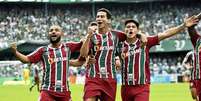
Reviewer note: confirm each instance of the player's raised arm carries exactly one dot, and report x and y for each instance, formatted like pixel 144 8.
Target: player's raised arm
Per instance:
pixel 85 46
pixel 23 58
pixel 173 31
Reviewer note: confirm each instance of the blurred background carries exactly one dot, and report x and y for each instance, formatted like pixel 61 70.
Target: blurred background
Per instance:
pixel 27 21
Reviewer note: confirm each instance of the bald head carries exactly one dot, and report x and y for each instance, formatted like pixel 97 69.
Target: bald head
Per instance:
pixel 55 27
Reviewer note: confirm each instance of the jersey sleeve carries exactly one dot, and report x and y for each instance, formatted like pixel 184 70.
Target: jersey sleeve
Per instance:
pixel 194 37
pixel 152 40
pixel 121 35
pixel 36 56
pixel 74 46
pixel 185 59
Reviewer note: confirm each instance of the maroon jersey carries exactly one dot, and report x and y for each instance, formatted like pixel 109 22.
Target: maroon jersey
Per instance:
pixel 135 61
pixel 55 65
pixel 103 46
pixel 196 41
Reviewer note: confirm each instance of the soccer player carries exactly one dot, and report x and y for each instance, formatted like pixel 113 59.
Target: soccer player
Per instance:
pixel 135 60
pixel 26 74
pixel 101 77
pixel 56 60
pixel 196 41
pixel 188 64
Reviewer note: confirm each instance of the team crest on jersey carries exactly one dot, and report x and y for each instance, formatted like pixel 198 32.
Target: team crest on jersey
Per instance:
pixel 50 60
pixel 97 47
pixel 124 55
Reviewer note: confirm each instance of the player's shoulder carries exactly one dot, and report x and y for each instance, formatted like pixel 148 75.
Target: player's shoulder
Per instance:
pixel 190 53
pixel 152 36
pixel 69 43
pixel 42 48
pixel 117 31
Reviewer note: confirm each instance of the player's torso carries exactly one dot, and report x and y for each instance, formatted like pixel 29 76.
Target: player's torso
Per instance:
pixel 103 47
pixel 55 66
pixel 133 58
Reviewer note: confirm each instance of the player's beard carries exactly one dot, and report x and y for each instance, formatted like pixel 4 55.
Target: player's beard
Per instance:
pixel 55 41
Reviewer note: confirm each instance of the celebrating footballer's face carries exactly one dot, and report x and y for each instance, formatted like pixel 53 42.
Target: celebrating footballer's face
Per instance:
pixel 55 34
pixel 101 19
pixel 131 30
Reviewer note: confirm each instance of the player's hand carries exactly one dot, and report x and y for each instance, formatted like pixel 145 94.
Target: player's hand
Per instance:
pixel 117 64
pixel 91 30
pixel 91 59
pixel 13 47
pixel 191 21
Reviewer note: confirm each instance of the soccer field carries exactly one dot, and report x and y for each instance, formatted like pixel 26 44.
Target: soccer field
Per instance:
pixel 159 92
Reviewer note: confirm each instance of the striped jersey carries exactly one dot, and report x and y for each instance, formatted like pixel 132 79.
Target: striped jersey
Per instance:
pixel 189 58
pixel 196 41
pixel 103 47
pixel 135 61
pixel 55 63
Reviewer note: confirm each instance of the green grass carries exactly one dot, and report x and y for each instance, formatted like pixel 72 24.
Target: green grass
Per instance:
pixel 159 92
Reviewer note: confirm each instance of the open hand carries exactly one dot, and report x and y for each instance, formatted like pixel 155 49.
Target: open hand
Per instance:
pixel 191 21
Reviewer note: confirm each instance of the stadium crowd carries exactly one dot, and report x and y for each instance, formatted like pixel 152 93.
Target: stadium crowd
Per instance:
pixel 31 23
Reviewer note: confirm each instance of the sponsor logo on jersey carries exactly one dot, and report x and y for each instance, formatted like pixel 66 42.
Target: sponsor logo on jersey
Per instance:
pixel 53 60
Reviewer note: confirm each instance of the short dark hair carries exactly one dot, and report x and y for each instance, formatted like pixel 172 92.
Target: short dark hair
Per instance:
pixel 133 21
pixel 109 14
pixel 93 24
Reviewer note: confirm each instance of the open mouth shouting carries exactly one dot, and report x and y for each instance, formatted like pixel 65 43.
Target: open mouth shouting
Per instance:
pixel 99 22
pixel 53 37
pixel 130 33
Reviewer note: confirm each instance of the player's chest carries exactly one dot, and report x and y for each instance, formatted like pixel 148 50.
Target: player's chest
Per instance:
pixel 56 55
pixel 131 49
pixel 104 42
